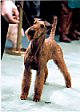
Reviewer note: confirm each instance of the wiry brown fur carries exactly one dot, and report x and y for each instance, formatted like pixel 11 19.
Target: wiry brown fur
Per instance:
pixel 38 53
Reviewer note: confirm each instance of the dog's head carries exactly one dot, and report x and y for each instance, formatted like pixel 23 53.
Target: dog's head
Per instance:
pixel 37 28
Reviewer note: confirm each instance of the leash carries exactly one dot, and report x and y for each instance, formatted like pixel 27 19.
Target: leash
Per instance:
pixel 19 5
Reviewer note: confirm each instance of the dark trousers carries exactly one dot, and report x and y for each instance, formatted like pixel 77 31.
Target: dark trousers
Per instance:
pixel 4 29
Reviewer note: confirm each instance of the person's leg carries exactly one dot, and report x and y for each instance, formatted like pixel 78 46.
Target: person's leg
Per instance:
pixel 65 22
pixel 75 27
pixel 4 29
pixel 32 10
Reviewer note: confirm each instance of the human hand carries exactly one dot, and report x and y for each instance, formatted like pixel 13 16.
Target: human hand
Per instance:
pixel 10 12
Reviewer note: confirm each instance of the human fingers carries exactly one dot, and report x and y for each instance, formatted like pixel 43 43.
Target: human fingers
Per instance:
pixel 11 19
pixel 15 13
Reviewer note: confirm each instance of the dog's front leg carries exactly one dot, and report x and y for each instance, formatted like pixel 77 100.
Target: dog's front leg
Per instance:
pixel 46 74
pixel 39 82
pixel 26 81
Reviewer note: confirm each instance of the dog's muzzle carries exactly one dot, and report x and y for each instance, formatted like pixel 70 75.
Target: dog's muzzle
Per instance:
pixel 31 32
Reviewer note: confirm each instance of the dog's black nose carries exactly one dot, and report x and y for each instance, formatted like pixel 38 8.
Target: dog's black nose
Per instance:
pixel 31 32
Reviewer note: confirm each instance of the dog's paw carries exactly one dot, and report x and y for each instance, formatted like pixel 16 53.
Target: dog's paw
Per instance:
pixel 68 84
pixel 23 97
pixel 36 98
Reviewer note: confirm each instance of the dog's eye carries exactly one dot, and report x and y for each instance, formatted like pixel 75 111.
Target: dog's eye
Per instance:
pixel 42 26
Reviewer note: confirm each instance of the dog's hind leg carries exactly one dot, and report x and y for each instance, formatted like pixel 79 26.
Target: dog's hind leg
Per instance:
pixel 26 81
pixel 62 66
pixel 39 82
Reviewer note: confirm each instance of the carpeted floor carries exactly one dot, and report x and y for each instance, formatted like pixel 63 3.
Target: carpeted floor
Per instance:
pixel 55 97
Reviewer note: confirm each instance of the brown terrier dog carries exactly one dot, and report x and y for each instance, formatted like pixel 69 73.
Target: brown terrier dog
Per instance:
pixel 38 53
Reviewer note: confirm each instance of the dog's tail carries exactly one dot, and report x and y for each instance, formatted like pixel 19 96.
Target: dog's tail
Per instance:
pixel 52 33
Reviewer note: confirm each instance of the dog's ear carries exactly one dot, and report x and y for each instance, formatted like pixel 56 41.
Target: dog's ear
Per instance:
pixel 36 19
pixel 26 34
pixel 47 24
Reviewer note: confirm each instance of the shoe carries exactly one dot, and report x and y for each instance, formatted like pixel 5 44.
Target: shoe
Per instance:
pixel 73 36
pixel 64 38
